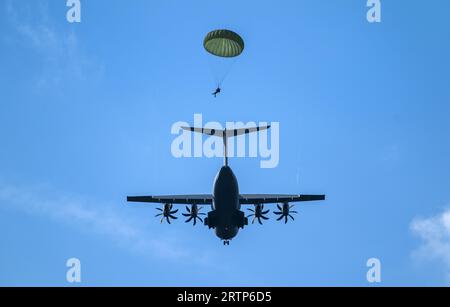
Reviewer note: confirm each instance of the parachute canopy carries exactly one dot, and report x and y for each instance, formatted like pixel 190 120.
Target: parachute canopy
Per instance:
pixel 224 43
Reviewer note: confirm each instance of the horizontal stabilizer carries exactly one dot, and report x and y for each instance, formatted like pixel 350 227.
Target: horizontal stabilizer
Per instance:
pixel 225 134
pixel 238 132
pixel 228 133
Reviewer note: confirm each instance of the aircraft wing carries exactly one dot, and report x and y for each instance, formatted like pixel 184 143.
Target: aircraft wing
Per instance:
pixel 173 199
pixel 247 199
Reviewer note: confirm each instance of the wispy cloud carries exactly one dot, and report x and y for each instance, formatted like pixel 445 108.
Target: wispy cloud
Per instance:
pixel 56 48
pixel 97 219
pixel 391 153
pixel 435 235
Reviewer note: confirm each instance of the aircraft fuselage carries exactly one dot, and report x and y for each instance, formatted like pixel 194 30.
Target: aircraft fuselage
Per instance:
pixel 226 206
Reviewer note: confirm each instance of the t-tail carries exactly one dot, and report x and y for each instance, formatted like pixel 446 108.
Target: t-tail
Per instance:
pixel 225 134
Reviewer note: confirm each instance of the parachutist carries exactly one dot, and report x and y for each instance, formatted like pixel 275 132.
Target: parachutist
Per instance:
pixel 218 90
pixel 224 44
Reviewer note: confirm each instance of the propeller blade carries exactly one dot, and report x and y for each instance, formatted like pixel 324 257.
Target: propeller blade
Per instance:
pixel 173 217
pixel 201 220
pixel 279 208
pixel 285 219
pixel 279 219
pixel 291 217
pixel 159 209
pixel 265 212
pixel 259 220
pixel 188 210
pixel 251 210
pixel 189 219
pixel 277 213
pixel 186 215
pixel 173 212
pixel 158 215
pixel 264 217
pixel 195 221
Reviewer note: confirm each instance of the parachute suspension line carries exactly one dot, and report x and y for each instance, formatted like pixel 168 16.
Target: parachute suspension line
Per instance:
pixel 227 72
pixel 220 72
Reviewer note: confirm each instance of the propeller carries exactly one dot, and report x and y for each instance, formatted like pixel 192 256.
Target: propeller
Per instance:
pixel 193 213
pixel 167 213
pixel 285 212
pixel 258 213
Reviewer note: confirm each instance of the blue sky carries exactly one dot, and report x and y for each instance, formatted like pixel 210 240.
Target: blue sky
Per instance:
pixel 85 117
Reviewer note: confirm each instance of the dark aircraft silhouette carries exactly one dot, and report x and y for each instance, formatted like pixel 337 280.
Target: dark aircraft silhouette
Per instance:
pixel 226 217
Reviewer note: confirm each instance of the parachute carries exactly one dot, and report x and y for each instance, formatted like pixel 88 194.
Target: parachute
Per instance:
pixel 224 43
pixel 225 46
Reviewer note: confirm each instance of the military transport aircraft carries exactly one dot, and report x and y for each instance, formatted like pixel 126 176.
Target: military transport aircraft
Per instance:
pixel 226 217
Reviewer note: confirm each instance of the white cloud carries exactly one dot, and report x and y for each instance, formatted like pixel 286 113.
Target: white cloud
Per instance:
pixel 57 49
pixel 435 235
pixel 391 153
pixel 98 219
